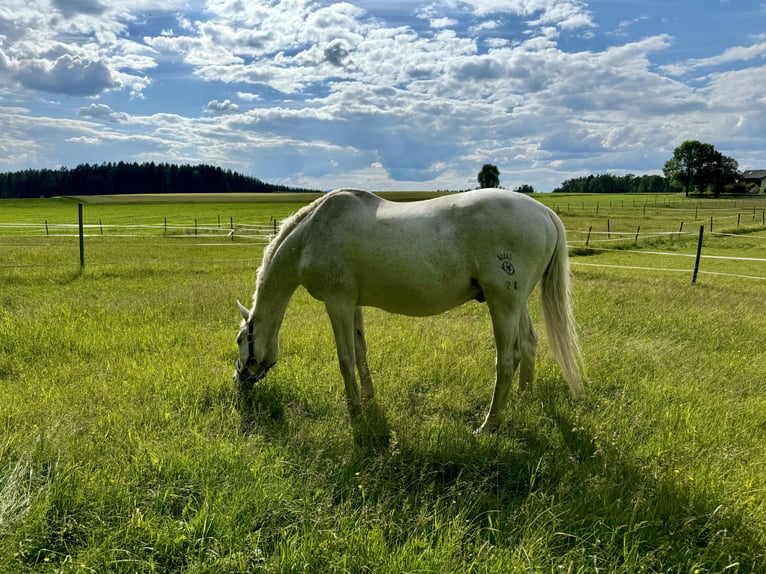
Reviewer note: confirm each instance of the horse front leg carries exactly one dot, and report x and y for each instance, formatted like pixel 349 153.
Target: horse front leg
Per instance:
pixel 505 323
pixel 360 350
pixel 342 320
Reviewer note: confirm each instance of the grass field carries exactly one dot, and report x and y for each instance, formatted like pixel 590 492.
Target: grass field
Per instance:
pixel 122 449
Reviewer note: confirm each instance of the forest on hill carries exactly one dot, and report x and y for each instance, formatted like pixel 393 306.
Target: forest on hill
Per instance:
pixel 122 178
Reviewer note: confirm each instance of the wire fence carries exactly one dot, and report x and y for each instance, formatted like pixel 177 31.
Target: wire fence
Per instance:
pixel 259 231
pixel 625 243
pixel 599 242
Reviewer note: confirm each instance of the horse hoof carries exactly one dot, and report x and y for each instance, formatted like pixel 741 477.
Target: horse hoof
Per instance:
pixel 486 428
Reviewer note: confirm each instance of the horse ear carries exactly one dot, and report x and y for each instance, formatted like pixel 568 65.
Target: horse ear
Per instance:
pixel 244 311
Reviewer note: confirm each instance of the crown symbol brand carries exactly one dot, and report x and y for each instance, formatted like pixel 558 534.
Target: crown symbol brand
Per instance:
pixel 505 262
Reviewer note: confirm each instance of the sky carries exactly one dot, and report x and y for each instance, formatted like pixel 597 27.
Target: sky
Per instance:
pixel 382 94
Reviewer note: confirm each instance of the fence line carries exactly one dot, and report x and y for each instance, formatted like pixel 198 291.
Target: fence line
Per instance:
pixel 609 266
pixel 749 235
pixel 662 269
pixel 672 254
pixel 697 257
pixel 261 233
pixel 240 230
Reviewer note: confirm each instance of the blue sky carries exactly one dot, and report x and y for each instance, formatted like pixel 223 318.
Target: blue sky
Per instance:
pixel 382 94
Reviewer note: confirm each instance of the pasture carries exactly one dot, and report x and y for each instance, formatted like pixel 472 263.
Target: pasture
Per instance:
pixel 122 448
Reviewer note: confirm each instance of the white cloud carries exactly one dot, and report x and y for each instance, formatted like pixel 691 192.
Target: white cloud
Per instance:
pixel 75 48
pixel 84 140
pixel 735 54
pixel 566 14
pixel 68 74
pixel 249 97
pixel 102 112
pixel 224 107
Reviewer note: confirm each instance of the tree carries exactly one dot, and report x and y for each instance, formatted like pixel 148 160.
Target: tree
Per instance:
pixel 524 188
pixel 699 166
pixel 489 176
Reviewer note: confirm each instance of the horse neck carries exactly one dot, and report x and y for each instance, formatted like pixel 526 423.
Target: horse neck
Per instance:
pixel 275 286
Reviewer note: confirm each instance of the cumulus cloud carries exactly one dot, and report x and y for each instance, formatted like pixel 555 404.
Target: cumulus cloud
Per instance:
pixel 224 107
pixel 68 74
pixel 566 14
pixel 102 112
pixel 71 47
pixel 72 7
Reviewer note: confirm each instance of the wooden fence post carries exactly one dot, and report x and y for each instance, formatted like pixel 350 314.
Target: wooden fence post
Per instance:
pixel 699 253
pixel 82 237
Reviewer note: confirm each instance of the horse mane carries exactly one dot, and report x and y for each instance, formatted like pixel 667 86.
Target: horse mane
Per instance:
pixel 285 228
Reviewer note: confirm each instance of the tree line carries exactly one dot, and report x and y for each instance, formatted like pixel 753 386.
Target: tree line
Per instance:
pixel 695 168
pixel 122 178
pixel 608 183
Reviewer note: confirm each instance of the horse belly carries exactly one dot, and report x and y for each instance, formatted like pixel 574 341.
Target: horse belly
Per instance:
pixel 415 291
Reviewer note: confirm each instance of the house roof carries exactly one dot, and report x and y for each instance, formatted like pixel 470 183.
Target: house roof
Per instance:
pixel 754 174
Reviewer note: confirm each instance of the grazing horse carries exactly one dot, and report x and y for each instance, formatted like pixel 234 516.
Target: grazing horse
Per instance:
pixel 352 249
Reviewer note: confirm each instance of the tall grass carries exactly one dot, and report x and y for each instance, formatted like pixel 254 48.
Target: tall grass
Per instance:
pixel 122 448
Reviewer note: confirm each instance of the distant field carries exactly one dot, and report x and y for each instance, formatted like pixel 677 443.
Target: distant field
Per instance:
pixel 122 449
pixel 292 197
pixel 198 198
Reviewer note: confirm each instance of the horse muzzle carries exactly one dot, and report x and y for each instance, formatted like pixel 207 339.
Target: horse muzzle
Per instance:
pixel 245 378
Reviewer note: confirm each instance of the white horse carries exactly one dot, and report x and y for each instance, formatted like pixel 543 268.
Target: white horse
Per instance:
pixel 352 249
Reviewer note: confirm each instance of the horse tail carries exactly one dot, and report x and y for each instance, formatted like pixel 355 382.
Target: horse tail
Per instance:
pixel 559 317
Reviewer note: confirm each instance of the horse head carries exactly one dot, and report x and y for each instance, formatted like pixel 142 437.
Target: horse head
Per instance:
pixel 248 369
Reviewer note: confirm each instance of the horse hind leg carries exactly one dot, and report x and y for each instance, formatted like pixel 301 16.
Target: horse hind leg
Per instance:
pixel 505 324
pixel 527 343
pixel 360 350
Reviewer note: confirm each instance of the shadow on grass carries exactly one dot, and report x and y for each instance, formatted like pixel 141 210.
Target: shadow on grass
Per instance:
pixel 371 430
pixel 261 407
pixel 544 464
pixel 262 410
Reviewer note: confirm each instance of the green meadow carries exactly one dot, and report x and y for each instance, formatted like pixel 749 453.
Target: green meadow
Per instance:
pixel 123 447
